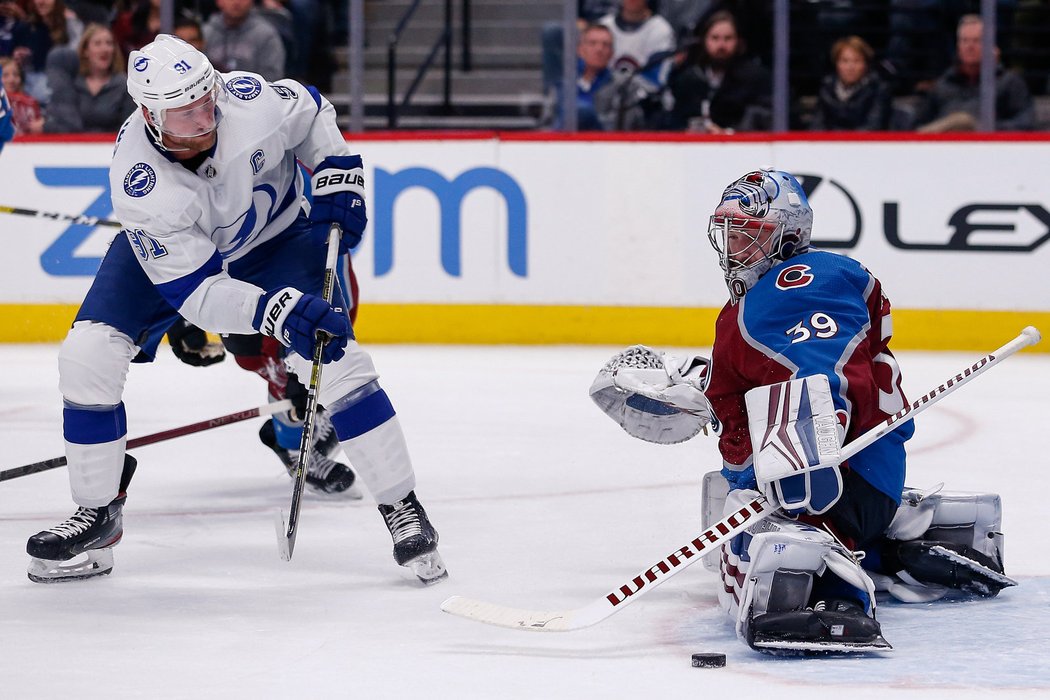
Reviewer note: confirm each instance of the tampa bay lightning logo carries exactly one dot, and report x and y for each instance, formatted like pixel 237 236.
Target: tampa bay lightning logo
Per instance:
pixel 244 87
pixel 140 180
pixel 141 63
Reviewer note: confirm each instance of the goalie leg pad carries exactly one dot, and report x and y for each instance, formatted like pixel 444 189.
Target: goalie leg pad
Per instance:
pixel 944 541
pixel 777 582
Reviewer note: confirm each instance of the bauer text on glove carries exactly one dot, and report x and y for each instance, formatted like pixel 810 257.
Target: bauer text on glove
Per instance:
pixel 339 198
pixel 294 319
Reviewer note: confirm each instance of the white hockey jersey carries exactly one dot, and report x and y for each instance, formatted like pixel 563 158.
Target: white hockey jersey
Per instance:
pixel 185 225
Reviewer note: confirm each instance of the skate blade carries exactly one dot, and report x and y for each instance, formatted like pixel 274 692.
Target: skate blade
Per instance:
pixel 785 646
pixel 97 562
pixel 354 493
pixel 428 568
pixel 990 578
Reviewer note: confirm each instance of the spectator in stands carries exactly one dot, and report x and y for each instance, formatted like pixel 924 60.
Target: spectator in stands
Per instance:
pixel 189 30
pixel 11 13
pixel 313 28
pixel 553 35
pixel 137 25
pixel 595 106
pixel 281 19
pixel 26 114
pixel 96 98
pixel 953 104
pixel 643 41
pixel 853 98
pixel 238 38
pixel 720 89
pixel 684 15
pixel 643 54
pixel 93 11
pixel 48 24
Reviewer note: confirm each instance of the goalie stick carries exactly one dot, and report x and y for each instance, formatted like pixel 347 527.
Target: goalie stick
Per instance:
pixel 286 532
pixel 716 535
pixel 56 462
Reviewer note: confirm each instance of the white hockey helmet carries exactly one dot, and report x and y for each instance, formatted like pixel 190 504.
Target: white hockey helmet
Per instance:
pixel 169 74
pixel 762 219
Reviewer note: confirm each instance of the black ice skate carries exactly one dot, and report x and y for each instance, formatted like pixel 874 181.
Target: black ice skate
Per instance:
pixel 415 539
pixel 89 531
pixel 956 566
pixel 323 474
pixel 831 626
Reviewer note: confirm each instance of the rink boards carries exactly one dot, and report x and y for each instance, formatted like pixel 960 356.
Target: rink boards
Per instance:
pixel 487 238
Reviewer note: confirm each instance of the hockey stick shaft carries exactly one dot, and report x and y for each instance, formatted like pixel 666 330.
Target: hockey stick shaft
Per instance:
pixel 163 435
pixel 286 532
pixel 718 534
pixel 58 216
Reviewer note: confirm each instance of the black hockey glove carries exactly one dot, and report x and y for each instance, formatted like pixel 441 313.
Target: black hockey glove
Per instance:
pixel 190 344
pixel 295 392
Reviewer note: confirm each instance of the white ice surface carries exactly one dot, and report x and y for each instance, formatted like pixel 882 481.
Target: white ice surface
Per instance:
pixel 541 502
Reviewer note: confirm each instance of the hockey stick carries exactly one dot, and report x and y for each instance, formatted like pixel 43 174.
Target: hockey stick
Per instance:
pixel 55 462
pixel 715 536
pixel 57 216
pixel 286 532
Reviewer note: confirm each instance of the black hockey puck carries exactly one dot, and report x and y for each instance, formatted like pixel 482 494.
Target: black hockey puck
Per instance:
pixel 709 660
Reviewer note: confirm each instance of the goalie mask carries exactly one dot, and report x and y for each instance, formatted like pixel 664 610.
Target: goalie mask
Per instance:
pixel 177 86
pixel 763 219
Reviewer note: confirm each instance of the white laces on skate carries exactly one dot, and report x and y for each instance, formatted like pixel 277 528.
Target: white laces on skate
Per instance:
pixel 403 522
pixel 320 466
pixel 77 523
pixel 322 428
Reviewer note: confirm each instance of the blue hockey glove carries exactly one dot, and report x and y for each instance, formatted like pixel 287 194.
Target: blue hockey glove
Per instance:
pixel 339 197
pixel 294 319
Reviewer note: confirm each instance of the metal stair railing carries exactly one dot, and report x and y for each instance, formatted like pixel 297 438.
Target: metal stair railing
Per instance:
pixel 443 41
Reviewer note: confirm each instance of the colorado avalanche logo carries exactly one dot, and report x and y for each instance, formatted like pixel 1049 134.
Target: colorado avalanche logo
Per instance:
pixel 753 193
pixel 141 63
pixel 244 88
pixel 140 180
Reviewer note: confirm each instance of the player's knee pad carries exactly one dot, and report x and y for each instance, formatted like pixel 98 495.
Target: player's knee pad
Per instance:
pixel 93 364
pixel 371 436
pixel 774 565
pixel 944 540
pixel 341 378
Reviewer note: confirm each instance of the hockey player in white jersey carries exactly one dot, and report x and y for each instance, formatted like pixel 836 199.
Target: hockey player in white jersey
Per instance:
pixel 216 228
pixel 7 129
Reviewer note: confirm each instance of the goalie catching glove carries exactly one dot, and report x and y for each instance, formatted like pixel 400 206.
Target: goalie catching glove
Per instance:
pixel 654 397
